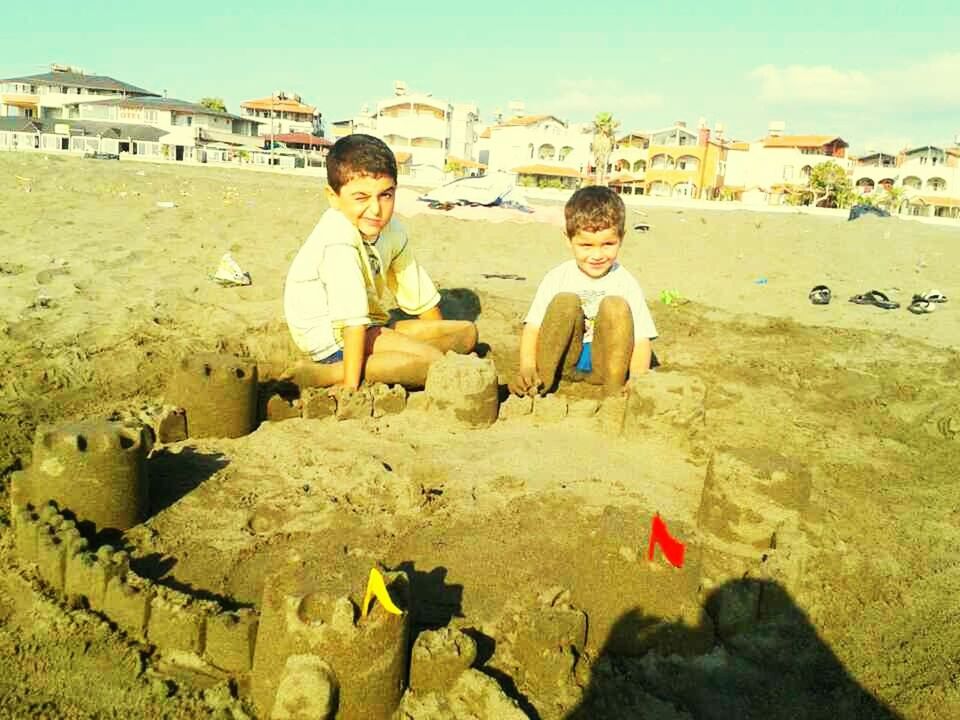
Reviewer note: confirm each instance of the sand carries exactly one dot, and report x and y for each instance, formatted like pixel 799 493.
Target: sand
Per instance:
pixel 807 454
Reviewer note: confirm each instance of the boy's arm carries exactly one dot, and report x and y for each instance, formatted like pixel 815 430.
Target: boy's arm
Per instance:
pixel 411 285
pixel 528 378
pixel 354 355
pixel 640 360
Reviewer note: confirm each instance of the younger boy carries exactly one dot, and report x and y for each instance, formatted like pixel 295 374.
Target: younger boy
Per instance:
pixel 334 297
pixel 588 319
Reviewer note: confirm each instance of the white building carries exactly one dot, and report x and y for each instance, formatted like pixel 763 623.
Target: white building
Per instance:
pixel 929 175
pixel 147 126
pixel 283 113
pixel 543 142
pixel 43 97
pixel 761 170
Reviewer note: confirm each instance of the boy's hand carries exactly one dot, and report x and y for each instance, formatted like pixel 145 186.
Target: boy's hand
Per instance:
pixel 527 382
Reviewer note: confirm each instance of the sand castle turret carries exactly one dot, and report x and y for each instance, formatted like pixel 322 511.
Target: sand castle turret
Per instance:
pixel 94 469
pixel 317 657
pixel 218 393
pixel 463 389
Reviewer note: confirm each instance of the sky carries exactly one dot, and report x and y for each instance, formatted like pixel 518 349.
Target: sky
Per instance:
pixel 882 75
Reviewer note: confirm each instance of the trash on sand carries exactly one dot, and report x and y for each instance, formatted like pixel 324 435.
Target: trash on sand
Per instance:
pixel 377 588
pixel 229 273
pixel 166 204
pixel 672 548
pixel 760 281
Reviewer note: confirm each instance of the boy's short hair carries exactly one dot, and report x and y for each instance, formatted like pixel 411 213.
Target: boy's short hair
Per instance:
pixel 593 209
pixel 356 156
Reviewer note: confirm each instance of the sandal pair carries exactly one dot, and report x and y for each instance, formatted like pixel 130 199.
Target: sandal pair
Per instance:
pixel 926 302
pixel 875 298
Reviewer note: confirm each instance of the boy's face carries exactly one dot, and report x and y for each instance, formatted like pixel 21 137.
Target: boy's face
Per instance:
pixel 367 201
pixel 596 251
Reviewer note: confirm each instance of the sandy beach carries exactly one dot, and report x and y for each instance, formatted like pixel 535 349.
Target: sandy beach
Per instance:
pixel 836 425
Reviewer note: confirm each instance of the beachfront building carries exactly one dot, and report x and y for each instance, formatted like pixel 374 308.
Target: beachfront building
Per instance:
pixel 930 176
pixel 282 114
pixel 628 164
pixel 147 126
pixel 43 97
pixel 682 163
pixel 424 130
pixel 539 148
pixel 764 171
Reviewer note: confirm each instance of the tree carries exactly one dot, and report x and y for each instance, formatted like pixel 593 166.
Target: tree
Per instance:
pixel 604 137
pixel 830 186
pixel 214 103
pixel 890 198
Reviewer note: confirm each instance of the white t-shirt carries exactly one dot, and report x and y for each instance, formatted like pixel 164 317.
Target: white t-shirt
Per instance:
pixel 617 282
pixel 337 280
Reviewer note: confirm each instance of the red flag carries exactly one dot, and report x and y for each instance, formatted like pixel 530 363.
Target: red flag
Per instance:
pixel 671 548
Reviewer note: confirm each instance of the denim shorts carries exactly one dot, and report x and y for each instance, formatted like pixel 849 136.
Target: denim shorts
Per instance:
pixel 331 359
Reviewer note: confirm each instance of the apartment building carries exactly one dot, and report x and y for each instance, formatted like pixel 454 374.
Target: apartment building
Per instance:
pixel 282 114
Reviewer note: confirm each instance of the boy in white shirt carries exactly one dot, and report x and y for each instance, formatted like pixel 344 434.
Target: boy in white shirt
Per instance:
pixel 335 293
pixel 589 319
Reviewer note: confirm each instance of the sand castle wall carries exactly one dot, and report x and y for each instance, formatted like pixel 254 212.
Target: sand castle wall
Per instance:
pixel 219 394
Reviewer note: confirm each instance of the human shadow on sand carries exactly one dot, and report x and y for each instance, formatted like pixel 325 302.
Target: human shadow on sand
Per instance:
pixel 455 304
pixel 173 475
pixel 767 661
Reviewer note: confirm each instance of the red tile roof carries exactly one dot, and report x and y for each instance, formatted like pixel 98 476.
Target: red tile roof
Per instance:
pixel 303 139
pixel 285 105
pixel 802 141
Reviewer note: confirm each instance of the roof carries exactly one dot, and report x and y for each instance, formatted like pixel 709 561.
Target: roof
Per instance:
pixel 161 103
pixel 465 162
pixel 285 105
pixel 809 141
pixel 73 79
pixel 631 136
pixel 551 170
pixel 624 179
pixel 521 121
pixel 303 139
pixel 935 200
pixel 738 146
pixel 118 131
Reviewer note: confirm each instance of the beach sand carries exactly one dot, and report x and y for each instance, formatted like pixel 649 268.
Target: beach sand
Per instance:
pixel 838 426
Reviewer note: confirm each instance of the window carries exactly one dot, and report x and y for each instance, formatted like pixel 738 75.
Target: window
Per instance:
pixel 788 172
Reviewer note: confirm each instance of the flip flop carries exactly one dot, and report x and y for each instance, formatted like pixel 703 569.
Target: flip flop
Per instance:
pixel 820 295
pixel 876 298
pixel 934 296
pixel 921 306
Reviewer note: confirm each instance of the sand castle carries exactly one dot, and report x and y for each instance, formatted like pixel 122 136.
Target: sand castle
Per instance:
pixel 308 652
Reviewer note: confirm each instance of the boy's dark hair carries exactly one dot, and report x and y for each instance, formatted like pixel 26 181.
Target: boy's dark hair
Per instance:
pixel 593 209
pixel 358 155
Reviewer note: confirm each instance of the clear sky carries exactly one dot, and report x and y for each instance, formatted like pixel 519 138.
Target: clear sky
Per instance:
pixel 880 74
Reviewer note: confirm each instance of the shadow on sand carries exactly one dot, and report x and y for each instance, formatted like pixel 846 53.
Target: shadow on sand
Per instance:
pixel 768 662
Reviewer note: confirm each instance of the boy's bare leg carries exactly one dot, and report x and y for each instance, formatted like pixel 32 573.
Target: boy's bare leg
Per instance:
pixel 612 345
pixel 392 357
pixel 561 339
pixel 457 335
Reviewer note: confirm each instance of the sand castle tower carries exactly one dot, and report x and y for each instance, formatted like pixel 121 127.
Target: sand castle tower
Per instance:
pixel 94 469
pixel 463 389
pixel 218 393
pixel 316 657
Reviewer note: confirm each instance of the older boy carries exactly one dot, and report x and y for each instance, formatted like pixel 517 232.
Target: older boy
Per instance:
pixel 588 319
pixel 334 298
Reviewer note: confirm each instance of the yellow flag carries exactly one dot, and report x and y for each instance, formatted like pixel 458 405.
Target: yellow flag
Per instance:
pixel 377 588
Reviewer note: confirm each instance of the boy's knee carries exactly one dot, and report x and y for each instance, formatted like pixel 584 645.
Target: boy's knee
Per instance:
pixel 565 302
pixel 615 308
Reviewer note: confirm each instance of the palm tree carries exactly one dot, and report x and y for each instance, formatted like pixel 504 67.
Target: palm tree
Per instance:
pixel 604 136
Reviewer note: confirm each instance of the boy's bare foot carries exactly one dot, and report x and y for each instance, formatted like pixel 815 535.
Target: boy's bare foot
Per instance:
pixel 307 373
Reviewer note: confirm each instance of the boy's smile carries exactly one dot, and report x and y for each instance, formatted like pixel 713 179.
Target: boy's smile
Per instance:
pixel 367 202
pixel 596 252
